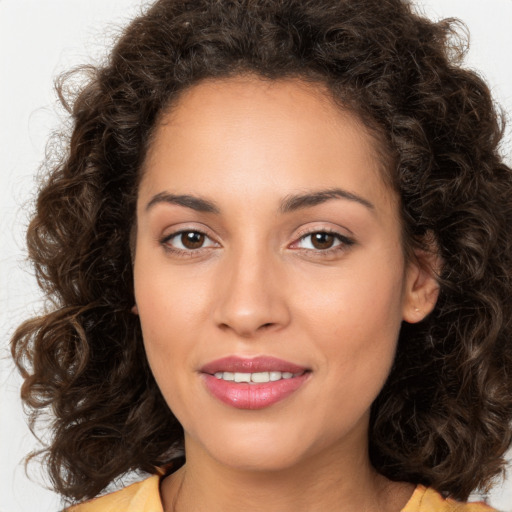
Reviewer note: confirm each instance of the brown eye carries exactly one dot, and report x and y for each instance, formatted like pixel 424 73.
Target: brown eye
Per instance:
pixel 187 242
pixel 322 240
pixel 192 239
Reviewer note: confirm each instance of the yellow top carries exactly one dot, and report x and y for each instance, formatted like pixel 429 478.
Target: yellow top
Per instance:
pixel 145 497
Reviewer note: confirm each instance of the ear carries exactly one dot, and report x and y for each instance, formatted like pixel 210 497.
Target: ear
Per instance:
pixel 421 285
pixel 135 310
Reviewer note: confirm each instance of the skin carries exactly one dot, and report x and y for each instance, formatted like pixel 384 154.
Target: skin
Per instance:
pixel 258 285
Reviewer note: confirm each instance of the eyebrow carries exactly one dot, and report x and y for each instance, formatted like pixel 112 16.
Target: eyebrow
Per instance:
pixel 297 202
pixel 189 201
pixel 288 204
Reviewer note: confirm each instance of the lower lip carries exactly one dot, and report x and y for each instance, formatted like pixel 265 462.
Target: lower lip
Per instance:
pixel 252 396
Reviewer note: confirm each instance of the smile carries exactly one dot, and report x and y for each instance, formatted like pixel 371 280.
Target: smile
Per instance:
pixel 253 383
pixel 255 378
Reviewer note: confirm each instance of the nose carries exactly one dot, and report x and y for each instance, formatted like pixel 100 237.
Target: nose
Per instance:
pixel 251 294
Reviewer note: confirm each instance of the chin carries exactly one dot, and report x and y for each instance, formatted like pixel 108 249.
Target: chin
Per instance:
pixel 261 447
pixel 264 446
pixel 247 459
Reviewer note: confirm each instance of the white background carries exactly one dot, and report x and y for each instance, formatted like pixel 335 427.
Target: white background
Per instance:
pixel 38 40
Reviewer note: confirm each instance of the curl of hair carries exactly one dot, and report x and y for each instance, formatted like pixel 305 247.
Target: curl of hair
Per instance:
pixel 444 415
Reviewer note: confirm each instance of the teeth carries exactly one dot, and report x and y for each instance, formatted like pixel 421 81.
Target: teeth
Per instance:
pixel 257 378
pixel 242 377
pixel 260 377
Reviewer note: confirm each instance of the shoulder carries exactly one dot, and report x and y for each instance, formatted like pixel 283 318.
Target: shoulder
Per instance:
pixel 426 499
pixel 139 497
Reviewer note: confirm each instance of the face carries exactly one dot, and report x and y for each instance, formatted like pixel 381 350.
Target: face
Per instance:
pixel 269 250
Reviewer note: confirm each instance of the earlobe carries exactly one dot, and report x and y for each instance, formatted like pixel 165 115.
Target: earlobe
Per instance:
pixel 422 286
pixel 135 310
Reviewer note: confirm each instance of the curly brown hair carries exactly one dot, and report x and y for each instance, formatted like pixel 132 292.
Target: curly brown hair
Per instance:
pixel 444 415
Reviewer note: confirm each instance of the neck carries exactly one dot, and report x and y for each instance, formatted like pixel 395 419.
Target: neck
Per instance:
pixel 328 482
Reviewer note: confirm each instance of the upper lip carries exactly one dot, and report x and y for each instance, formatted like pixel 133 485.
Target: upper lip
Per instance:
pixel 238 364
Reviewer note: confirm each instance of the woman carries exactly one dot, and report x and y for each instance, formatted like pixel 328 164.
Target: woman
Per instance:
pixel 279 243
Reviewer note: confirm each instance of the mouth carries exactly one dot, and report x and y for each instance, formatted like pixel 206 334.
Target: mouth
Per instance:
pixel 253 383
pixel 256 378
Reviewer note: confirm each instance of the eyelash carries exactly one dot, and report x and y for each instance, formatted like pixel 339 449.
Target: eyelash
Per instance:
pixel 345 243
pixel 183 252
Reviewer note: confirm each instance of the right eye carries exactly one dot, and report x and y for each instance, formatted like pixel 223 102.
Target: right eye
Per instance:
pixel 187 241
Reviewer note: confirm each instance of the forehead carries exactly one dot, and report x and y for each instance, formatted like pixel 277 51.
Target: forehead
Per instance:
pixel 285 132
pixel 266 101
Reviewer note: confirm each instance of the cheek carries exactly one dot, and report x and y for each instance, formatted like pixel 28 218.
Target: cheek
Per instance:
pixel 168 344
pixel 173 306
pixel 165 320
pixel 362 303
pixel 168 299
pixel 157 304
pixel 354 321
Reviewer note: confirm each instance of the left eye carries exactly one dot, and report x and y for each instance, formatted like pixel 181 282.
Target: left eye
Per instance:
pixel 188 240
pixel 322 240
